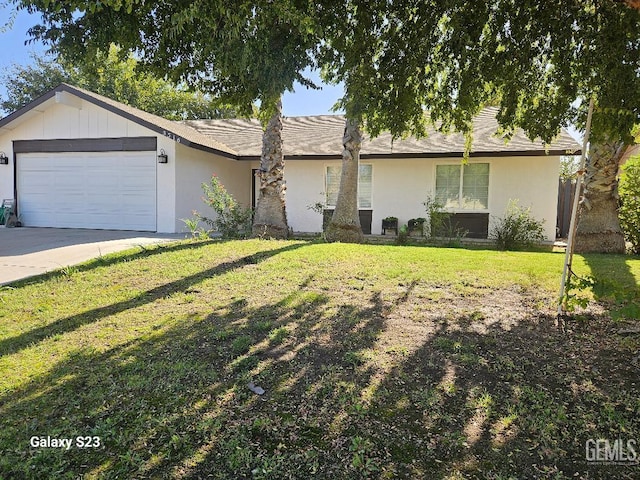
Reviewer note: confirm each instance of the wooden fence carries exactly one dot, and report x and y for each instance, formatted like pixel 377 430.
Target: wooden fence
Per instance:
pixel 566 191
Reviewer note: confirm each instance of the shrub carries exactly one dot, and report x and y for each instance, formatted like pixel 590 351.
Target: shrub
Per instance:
pixel 196 231
pixel 232 219
pixel 518 229
pixel 437 217
pixel 630 202
pixel 441 223
pixel 403 235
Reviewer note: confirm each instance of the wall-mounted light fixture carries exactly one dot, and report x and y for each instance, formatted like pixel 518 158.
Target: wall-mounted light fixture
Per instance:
pixel 162 156
pixel 4 160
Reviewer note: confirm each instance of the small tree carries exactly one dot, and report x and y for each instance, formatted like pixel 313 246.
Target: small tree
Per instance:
pixel 630 202
pixel 232 220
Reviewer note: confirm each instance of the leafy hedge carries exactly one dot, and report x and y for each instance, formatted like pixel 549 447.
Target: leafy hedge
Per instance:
pixel 630 202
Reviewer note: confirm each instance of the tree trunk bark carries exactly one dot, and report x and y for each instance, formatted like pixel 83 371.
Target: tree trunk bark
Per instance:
pixel 270 217
pixel 598 225
pixel 345 223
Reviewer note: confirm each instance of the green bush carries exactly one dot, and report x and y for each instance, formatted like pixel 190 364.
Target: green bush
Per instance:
pixel 630 202
pixel 518 229
pixel 232 219
pixel 442 224
pixel 437 218
pixel 403 235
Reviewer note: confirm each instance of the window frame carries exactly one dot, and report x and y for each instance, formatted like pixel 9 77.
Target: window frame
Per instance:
pixel 339 165
pixel 459 207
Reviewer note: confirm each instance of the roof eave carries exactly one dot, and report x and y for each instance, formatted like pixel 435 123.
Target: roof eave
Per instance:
pixel 4 122
pixel 417 155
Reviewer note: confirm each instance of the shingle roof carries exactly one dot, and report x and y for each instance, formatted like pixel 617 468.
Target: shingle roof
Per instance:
pixel 321 136
pixel 315 136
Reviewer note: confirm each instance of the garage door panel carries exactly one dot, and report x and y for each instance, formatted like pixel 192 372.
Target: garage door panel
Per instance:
pixel 104 190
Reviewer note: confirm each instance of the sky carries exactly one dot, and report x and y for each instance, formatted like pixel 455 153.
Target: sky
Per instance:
pixel 302 101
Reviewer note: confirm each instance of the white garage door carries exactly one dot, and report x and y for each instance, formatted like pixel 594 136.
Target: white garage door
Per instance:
pixel 102 190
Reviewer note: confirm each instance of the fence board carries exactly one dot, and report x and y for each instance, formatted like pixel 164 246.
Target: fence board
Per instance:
pixel 566 191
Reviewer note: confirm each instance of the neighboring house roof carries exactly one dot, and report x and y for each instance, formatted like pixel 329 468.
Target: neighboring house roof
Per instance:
pixel 313 137
pixel 177 131
pixel 321 137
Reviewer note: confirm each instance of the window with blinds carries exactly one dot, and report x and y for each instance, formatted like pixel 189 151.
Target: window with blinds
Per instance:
pixel 464 187
pixel 365 185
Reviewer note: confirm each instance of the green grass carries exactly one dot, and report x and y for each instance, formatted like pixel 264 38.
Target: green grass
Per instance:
pixel 377 361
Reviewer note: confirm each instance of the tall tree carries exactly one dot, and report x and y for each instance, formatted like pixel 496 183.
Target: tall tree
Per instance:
pixel 535 57
pixel 397 59
pixel 599 228
pixel 345 223
pixel 270 218
pixel 24 83
pixel 112 76
pixel 352 32
pixel 252 51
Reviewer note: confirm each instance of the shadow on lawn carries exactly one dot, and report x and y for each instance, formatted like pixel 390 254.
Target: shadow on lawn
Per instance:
pixel 118 257
pixel 615 284
pixel 16 343
pixel 350 394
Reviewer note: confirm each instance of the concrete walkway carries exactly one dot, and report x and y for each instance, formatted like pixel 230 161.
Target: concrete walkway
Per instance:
pixel 25 252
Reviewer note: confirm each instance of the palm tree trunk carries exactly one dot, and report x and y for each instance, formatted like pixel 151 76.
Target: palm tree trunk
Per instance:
pixel 270 218
pixel 345 223
pixel 598 225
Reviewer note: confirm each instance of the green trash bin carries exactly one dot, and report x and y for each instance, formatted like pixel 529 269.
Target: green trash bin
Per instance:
pixel 6 209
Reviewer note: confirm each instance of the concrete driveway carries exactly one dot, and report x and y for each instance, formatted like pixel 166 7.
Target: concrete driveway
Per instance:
pixel 25 252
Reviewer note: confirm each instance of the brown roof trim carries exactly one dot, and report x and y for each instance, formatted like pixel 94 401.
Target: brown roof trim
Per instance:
pixel 116 144
pixel 30 106
pixel 174 134
pixel 401 156
pixel 151 126
pixel 63 87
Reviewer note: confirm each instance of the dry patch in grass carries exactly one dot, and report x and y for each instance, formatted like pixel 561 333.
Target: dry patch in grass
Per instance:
pixel 378 362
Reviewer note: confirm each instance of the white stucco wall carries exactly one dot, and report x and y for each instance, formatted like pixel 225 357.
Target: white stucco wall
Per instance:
pixel 400 186
pixel 196 167
pixel 6 171
pixel 305 186
pixel 51 120
pixel 533 181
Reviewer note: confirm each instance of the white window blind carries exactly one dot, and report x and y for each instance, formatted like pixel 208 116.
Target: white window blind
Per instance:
pixel 464 187
pixel 365 185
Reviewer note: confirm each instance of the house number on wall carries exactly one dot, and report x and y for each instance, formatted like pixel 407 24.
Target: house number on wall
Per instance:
pixel 172 136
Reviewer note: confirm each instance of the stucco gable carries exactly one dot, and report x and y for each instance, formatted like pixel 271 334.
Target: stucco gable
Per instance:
pixel 65 94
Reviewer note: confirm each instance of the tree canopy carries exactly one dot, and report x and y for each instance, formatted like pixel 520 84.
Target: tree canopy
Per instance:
pixel 112 76
pixel 397 59
pixel 532 58
pixel 248 52
pixel 405 64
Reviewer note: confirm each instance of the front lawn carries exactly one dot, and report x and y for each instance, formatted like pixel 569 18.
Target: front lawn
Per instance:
pixel 376 361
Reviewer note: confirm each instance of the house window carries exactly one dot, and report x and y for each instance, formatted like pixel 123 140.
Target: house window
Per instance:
pixel 463 187
pixel 365 182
